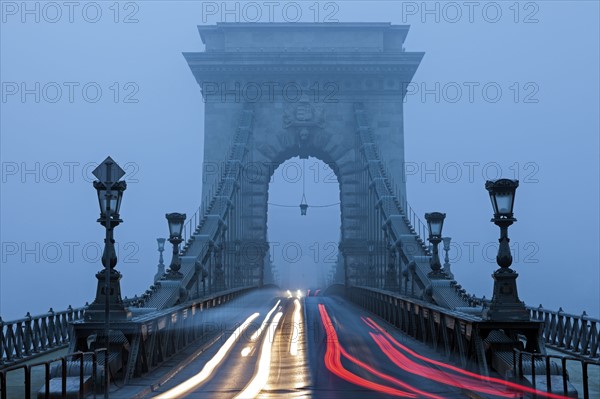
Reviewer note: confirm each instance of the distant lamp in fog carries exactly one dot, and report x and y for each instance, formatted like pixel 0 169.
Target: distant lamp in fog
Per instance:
pixel 175 221
pixel 161 244
pixel 161 265
pixel 435 223
pixel 446 242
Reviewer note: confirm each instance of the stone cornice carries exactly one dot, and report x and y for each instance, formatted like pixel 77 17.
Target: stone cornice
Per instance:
pixel 204 64
pixel 303 57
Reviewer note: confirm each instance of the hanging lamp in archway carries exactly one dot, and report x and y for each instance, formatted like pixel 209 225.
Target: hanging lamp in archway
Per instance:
pixel 303 203
pixel 303 206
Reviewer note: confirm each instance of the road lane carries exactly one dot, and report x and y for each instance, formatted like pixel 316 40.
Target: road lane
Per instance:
pixel 348 380
pixel 351 346
pixel 264 357
pixel 290 376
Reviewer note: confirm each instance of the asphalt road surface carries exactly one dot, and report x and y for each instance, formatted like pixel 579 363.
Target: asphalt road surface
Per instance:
pixel 281 344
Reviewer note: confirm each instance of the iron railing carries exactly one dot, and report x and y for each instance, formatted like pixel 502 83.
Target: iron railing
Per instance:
pixel 575 335
pixel 414 221
pixel 27 337
pixel 157 336
pixel 28 382
pixel 521 358
pixel 445 330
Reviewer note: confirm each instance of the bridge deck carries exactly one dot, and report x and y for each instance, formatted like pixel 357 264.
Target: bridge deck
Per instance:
pixel 299 359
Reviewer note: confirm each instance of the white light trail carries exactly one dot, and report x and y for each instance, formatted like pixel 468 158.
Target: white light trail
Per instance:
pixel 258 332
pixel 246 351
pixel 296 324
pixel 264 365
pixel 209 367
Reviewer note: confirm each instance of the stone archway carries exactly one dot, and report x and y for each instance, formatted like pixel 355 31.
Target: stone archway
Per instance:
pixel 303 82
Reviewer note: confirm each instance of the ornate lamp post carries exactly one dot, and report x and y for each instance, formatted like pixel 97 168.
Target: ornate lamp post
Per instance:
pixel 446 242
pixel 176 221
pixel 161 265
pixel 505 304
pixel 108 304
pixel 435 222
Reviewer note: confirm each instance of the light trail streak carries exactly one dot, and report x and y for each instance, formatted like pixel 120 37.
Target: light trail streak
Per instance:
pixel 209 367
pixel 264 365
pixel 477 377
pixel 388 377
pixel 296 323
pixel 258 332
pixel 431 374
pixel 334 364
pixel 246 351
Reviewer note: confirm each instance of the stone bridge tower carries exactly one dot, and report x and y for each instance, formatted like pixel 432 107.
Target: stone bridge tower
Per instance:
pixel 302 82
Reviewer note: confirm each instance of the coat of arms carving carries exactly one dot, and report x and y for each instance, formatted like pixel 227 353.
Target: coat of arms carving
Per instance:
pixel 303 119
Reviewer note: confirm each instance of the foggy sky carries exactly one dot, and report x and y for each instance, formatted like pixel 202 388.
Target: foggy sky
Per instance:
pixel 542 128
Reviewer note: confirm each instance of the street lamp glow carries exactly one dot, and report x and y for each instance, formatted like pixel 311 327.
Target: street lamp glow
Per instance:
pixel 435 223
pixel 161 244
pixel 502 195
pixel 175 221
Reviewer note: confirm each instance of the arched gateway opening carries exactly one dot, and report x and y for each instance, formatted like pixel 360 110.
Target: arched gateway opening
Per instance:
pixel 303 248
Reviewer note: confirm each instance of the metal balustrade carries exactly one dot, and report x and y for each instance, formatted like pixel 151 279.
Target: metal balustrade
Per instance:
pixel 32 335
pixel 572 334
pixel 447 331
pixel 157 336
pixel 80 359
pixel 576 335
pixel 521 359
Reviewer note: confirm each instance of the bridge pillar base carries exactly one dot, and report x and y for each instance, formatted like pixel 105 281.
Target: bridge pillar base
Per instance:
pixel 505 305
pixel 96 312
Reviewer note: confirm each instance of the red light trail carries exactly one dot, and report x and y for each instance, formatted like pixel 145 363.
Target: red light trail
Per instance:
pixel 397 354
pixel 473 380
pixel 334 364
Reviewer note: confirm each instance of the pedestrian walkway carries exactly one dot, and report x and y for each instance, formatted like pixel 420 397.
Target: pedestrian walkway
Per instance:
pixel 15 380
pixel 576 375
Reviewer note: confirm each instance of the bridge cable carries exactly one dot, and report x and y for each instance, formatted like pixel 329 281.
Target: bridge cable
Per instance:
pixel 295 206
